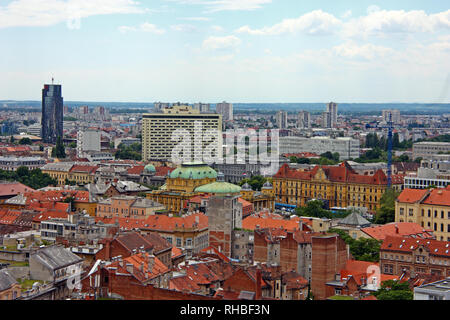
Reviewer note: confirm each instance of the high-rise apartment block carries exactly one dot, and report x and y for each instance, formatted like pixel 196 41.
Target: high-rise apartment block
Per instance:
pixel 202 107
pixel 158 128
pixel 326 120
pixel 394 114
pixel 88 141
pixel 226 110
pixel 52 113
pixel 282 119
pixel 304 120
pixel 332 109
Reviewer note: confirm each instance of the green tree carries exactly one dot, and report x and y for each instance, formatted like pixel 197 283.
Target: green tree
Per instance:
pixel 313 208
pixel 59 150
pixel 394 290
pixel 73 144
pixel 361 249
pixel 386 212
pixel 256 182
pixel 26 141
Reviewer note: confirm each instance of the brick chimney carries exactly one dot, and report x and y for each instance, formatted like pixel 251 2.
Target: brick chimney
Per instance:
pixel 258 283
pixel 151 262
pixel 396 228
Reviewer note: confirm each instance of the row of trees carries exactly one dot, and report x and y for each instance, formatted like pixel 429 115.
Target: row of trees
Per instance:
pixel 326 158
pixel 132 152
pixel 33 178
pixel 256 182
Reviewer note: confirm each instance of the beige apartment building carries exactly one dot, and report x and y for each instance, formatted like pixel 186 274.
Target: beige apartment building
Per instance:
pixel 426 150
pixel 158 130
pixel 429 208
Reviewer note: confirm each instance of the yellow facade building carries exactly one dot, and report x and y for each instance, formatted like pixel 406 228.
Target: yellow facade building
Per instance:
pixel 338 186
pixel 430 208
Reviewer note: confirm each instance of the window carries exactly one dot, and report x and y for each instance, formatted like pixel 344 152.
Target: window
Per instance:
pixel 402 211
pixel 337 291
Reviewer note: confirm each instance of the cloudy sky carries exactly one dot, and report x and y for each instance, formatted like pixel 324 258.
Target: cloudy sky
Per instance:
pixel 233 50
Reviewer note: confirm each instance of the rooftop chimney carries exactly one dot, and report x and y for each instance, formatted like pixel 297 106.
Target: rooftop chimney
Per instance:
pixel 258 283
pixel 129 268
pixel 151 262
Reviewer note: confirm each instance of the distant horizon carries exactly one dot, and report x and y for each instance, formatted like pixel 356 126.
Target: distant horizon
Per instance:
pixel 219 101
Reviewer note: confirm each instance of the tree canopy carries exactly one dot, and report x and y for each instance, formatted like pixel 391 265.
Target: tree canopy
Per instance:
pixel 32 178
pixel 256 182
pixel 386 212
pixel 363 249
pixel 394 290
pixel 131 152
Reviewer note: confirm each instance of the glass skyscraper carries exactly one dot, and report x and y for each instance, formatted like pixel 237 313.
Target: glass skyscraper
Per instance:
pixel 52 113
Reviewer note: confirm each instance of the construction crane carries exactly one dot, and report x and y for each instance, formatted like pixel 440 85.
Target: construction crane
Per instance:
pixel 390 128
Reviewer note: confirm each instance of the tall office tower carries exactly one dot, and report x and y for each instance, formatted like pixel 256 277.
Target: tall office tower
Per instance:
pixel 394 113
pixel 158 128
pixel 304 120
pixel 202 107
pixel 326 119
pixel 332 109
pixel 281 119
pixel 226 110
pixel 52 113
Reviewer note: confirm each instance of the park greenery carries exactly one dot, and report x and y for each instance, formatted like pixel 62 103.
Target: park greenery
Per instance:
pixel 363 249
pixel 394 290
pixel 131 152
pixel 25 141
pixel 386 212
pixel 256 182
pixel 315 208
pixel 34 179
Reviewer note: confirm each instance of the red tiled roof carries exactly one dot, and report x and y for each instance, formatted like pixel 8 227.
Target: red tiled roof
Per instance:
pixel 163 171
pixel 439 196
pixel 408 229
pixel 184 284
pixel 80 168
pixel 269 221
pixel 135 170
pixel 13 188
pixel 160 222
pixel 176 252
pixel 411 195
pixel 403 244
pixel 341 173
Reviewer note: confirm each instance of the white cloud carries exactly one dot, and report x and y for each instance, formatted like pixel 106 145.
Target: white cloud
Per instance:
pixel 218 43
pixel 346 14
pixel 226 5
pixel 30 13
pixel 195 19
pixel 384 22
pixel 144 27
pixel 315 22
pixel 184 28
pixel 367 51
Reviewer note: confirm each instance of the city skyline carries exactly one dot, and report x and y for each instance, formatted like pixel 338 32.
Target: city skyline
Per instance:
pixel 238 51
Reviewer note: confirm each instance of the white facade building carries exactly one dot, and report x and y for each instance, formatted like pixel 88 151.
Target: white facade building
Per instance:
pixel 345 146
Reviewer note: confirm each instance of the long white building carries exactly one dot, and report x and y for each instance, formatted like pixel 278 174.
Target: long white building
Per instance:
pixel 345 146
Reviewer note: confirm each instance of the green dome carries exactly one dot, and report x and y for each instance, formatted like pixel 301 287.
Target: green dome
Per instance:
pixel 193 170
pixel 149 168
pixel 219 187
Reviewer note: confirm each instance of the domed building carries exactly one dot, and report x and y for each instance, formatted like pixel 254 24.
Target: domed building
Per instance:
pixel 220 187
pixel 264 199
pixel 181 185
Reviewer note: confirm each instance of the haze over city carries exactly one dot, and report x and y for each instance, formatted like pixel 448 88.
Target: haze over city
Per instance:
pixel 235 50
